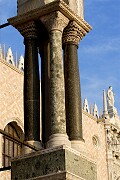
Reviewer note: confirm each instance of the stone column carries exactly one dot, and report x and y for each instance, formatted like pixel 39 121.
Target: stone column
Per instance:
pixel 71 37
pixel 55 23
pixel 31 86
pixel 45 79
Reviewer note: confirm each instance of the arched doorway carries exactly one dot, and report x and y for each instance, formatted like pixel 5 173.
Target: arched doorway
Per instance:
pixel 11 148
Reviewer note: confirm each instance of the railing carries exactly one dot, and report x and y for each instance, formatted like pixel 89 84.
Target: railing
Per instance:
pixel 17 141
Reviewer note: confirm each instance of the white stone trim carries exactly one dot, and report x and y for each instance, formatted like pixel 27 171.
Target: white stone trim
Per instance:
pixel 57 140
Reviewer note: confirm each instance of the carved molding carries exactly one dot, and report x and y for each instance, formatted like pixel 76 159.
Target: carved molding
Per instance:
pixel 57 5
pixel 113 141
pixel 55 21
pixel 73 33
pixel 28 30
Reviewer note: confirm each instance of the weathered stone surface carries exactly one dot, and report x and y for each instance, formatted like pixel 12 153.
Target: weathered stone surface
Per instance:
pixel 45 79
pixel 31 91
pixel 57 92
pixel 53 161
pixel 72 92
pixel 55 23
pixel 24 5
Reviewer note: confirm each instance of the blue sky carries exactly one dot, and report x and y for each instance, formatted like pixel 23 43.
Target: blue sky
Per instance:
pixel 99 51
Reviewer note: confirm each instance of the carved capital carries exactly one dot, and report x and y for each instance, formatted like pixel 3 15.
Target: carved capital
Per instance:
pixel 73 33
pixel 55 21
pixel 28 30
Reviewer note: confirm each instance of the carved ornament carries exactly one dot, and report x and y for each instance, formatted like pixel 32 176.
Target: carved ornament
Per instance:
pixel 28 30
pixel 73 33
pixel 55 21
pixel 39 13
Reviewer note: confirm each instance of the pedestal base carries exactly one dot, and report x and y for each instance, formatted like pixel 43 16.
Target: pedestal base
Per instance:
pixel 60 163
pixel 79 146
pixel 58 140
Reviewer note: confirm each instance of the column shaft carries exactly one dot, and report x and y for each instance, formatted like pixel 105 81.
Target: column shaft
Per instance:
pixel 31 91
pixel 57 93
pixel 55 23
pixel 45 81
pixel 72 92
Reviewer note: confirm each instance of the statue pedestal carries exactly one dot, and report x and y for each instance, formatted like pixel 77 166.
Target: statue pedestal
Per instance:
pixel 59 163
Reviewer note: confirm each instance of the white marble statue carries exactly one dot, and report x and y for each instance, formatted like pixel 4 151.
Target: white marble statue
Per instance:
pixel 110 97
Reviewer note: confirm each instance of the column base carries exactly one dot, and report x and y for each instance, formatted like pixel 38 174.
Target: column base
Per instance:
pixel 58 140
pixel 27 150
pixel 80 146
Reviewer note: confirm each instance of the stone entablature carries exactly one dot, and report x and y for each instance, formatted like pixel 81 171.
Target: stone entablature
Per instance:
pixel 24 6
pixel 56 5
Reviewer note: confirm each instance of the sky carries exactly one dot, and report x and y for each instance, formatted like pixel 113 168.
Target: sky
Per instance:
pixel 98 52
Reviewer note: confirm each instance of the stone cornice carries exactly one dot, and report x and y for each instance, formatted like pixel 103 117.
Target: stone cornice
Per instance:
pixel 52 149
pixel 57 5
pixel 11 66
pixel 99 121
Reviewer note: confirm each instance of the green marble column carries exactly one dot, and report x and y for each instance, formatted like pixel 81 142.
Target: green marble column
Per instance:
pixel 57 93
pixel 31 85
pixel 71 37
pixel 31 91
pixel 55 23
pixel 72 92
pixel 45 81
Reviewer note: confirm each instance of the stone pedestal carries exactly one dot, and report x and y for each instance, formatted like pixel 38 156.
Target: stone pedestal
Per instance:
pixel 59 163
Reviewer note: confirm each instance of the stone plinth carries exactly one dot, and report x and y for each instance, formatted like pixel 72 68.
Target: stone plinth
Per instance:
pixel 59 163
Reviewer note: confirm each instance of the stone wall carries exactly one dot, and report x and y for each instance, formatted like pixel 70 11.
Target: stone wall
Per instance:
pixel 11 109
pixel 95 144
pixel 11 101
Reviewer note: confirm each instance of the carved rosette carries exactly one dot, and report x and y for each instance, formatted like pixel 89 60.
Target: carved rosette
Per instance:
pixel 73 33
pixel 55 21
pixel 28 30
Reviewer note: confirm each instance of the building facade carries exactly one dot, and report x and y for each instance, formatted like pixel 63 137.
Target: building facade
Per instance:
pixel 11 108
pixel 101 134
